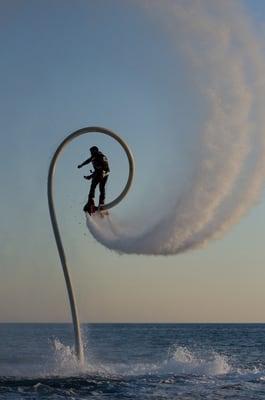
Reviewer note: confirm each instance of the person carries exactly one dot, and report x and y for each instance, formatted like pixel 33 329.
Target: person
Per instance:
pixel 99 177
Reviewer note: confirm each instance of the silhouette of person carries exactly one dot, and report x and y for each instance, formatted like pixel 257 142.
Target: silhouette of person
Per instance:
pixel 99 177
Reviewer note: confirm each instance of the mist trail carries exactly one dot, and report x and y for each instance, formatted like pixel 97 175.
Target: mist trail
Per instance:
pixel 216 40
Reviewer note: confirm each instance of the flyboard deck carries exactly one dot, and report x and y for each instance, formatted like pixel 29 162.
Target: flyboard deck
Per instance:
pixel 92 209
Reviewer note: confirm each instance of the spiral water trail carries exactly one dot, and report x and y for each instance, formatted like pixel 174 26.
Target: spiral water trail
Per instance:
pixel 217 41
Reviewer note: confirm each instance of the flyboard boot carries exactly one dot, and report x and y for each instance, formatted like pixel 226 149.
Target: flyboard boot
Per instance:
pixel 90 207
pixel 102 211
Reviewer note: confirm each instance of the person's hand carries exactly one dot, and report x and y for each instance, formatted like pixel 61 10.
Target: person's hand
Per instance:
pixel 79 166
pixel 88 177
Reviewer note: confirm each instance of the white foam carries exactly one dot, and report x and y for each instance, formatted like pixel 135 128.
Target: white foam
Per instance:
pixel 185 361
pixel 182 361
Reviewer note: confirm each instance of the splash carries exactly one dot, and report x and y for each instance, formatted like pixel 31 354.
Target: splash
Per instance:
pixel 66 361
pixel 227 66
pixel 181 361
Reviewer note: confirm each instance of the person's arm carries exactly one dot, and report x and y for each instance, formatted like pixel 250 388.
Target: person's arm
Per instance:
pixel 85 162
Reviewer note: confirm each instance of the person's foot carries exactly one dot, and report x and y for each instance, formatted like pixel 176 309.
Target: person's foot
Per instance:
pixel 102 211
pixel 89 207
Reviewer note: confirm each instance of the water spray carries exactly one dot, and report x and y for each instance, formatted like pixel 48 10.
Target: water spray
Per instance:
pixel 223 60
pixel 78 341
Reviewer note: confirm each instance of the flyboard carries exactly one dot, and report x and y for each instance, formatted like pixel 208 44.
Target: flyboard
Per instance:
pixel 91 209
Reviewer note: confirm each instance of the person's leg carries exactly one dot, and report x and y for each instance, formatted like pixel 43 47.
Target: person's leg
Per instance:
pixel 93 186
pixel 102 190
pixel 90 205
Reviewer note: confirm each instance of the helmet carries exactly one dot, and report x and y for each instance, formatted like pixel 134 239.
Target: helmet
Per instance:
pixel 94 149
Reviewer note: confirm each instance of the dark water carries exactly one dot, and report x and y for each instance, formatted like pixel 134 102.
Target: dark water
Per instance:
pixel 133 361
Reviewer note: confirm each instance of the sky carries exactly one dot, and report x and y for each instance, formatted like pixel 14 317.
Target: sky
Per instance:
pixel 66 65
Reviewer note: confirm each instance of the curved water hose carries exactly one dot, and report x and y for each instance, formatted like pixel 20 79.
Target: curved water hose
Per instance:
pixel 78 341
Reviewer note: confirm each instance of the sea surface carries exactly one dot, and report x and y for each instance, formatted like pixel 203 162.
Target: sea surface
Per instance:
pixel 133 361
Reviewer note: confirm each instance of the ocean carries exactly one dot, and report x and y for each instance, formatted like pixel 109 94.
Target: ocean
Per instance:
pixel 133 361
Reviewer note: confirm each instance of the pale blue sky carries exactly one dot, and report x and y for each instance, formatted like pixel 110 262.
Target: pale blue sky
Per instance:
pixel 69 64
